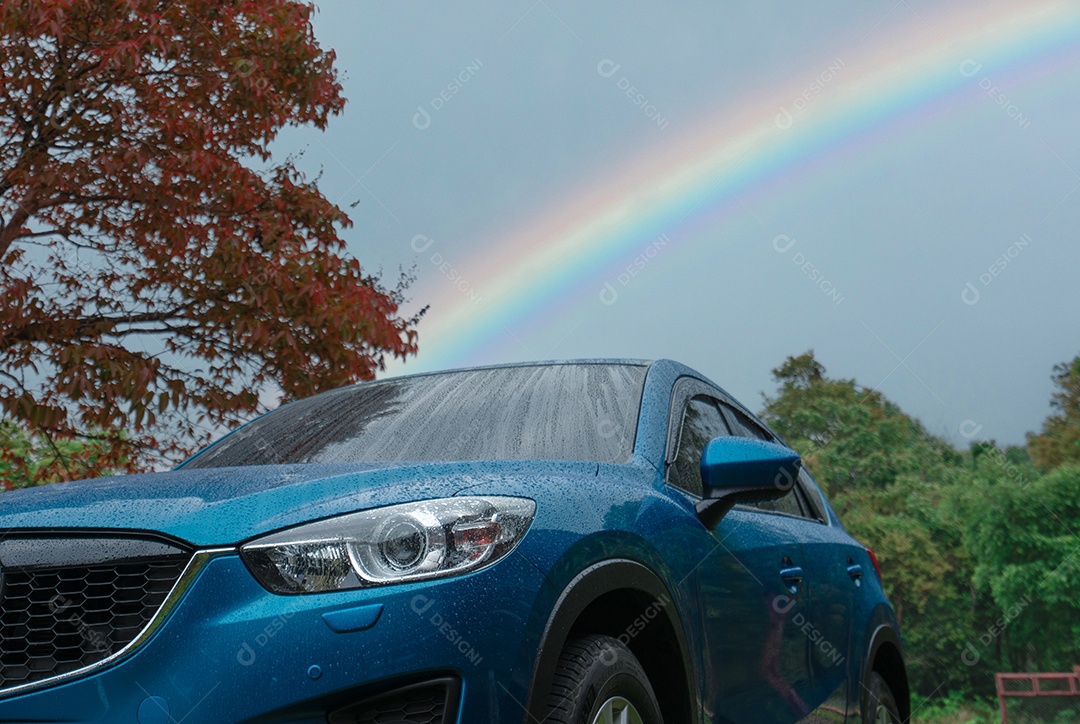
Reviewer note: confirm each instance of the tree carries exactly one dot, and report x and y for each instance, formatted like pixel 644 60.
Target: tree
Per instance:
pixel 158 270
pixel 26 461
pixel 850 437
pixel 1059 441
pixel 1021 528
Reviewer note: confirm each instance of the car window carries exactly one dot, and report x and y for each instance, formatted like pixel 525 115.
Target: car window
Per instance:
pixel 811 497
pixel 701 422
pixel 743 426
pixel 528 412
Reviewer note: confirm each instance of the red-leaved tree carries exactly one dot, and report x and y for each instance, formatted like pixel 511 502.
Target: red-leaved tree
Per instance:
pixel 158 270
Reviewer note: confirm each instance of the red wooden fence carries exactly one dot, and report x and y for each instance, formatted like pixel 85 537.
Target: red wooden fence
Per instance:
pixel 1026 687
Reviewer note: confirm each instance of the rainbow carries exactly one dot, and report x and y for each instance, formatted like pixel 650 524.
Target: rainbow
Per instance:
pixel 704 176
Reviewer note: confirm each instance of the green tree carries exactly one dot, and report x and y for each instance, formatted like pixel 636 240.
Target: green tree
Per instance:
pixel 1022 529
pixel 26 460
pixel 1059 441
pixel 850 437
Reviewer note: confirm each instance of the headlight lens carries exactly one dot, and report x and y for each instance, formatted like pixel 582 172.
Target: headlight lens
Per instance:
pixel 399 543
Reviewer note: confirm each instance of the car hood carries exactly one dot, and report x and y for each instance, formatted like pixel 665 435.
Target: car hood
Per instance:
pixel 224 506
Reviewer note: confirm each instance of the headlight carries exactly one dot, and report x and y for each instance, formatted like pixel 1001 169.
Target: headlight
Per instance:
pixel 400 543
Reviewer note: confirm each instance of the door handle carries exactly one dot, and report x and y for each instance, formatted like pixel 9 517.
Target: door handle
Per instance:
pixel 792 577
pixel 855 571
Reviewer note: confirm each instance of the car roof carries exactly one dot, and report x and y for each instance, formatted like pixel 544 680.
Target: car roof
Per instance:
pixel 536 363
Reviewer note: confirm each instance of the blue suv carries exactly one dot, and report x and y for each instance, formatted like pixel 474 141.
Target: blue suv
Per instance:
pixel 590 542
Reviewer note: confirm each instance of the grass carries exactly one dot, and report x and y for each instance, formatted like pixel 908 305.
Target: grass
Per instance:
pixel 954 710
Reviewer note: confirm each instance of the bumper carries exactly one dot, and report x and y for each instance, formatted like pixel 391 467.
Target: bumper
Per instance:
pixel 232 652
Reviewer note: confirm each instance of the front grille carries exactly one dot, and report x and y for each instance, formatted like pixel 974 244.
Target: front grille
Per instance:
pixel 55 619
pixel 431 702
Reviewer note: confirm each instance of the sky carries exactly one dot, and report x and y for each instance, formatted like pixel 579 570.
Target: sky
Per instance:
pixel 895 185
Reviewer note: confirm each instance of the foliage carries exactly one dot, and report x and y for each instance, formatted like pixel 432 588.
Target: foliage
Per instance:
pixel 26 461
pixel 926 573
pixel 1059 441
pixel 158 271
pixel 978 550
pixel 1022 532
pixel 954 709
pixel 851 438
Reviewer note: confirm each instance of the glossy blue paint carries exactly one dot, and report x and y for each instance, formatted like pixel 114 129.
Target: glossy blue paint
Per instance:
pixel 753 634
pixel 154 710
pixel 741 462
pixel 353 619
pixel 224 506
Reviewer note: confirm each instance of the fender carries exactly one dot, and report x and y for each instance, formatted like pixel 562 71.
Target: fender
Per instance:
pixel 585 588
pixel 885 634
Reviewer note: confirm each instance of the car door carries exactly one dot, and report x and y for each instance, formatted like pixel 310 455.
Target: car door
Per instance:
pixel 749 586
pixel 831 575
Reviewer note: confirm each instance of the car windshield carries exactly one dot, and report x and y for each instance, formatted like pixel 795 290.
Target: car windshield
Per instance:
pixel 582 411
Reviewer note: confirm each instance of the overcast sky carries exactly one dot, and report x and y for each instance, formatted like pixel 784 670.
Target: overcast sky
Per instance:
pixel 926 248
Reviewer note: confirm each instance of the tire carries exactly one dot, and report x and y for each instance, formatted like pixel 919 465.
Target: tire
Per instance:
pixel 597 676
pixel 880 704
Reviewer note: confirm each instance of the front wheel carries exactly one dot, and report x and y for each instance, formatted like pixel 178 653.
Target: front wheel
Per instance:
pixel 881 704
pixel 599 681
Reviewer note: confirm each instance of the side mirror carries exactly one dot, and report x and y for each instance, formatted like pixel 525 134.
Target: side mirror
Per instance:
pixel 743 470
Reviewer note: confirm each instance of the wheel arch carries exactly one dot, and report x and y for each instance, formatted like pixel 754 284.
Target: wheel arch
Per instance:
pixel 886 657
pixel 628 601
